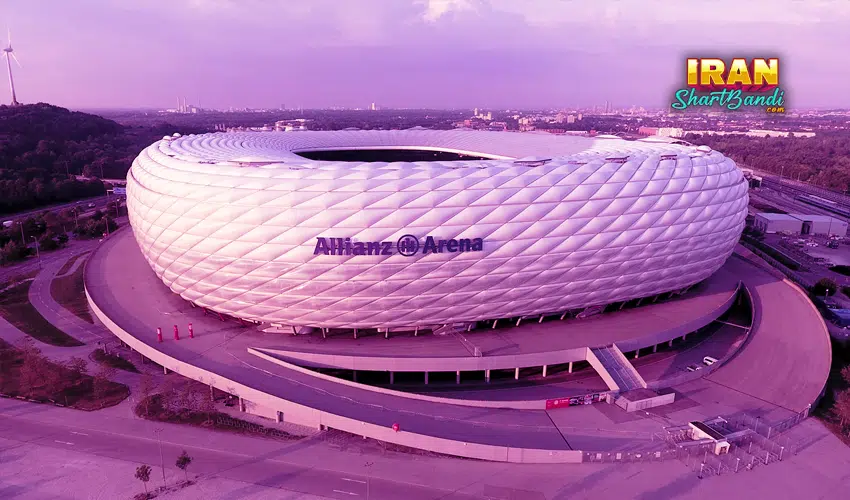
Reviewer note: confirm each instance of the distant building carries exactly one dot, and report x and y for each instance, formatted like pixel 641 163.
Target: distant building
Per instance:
pixel 803 224
pixel 661 131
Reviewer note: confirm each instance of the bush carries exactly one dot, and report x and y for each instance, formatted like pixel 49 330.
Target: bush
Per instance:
pixel 95 228
pixel 13 252
pixel 46 244
pixel 826 286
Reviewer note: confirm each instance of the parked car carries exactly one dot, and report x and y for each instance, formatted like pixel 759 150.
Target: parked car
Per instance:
pixel 708 361
pixel 693 368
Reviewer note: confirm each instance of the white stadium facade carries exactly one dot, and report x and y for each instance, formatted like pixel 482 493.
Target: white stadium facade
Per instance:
pixel 516 225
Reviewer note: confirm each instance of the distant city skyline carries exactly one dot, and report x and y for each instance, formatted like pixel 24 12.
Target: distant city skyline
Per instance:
pixel 441 54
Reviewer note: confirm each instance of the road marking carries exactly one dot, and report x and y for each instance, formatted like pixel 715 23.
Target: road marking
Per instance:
pixel 347 493
pixel 79 433
pixel 353 480
pixel 64 442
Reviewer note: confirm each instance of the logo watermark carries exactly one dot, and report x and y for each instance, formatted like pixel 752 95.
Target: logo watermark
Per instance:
pixel 739 85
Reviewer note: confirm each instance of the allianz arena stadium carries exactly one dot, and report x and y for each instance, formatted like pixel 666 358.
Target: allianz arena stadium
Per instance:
pixel 343 230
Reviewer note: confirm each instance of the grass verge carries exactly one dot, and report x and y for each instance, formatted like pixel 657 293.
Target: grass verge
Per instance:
pixel 68 265
pixel 111 360
pixel 16 308
pixel 25 373
pixel 69 292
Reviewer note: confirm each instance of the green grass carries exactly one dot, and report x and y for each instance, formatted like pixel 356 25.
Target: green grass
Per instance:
pixel 16 308
pixel 69 292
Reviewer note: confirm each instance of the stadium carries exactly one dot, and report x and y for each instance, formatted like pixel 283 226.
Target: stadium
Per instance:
pixel 501 225
pixel 477 294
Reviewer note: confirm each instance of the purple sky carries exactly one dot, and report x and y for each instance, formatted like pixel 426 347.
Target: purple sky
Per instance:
pixel 411 53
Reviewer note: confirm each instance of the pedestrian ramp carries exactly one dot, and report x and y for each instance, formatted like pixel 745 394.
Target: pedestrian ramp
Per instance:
pixel 617 372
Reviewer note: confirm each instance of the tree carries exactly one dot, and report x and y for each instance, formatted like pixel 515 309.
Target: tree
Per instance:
pixel 845 374
pixel 46 244
pixel 146 386
pixel 62 239
pixel 143 474
pixel 841 408
pixel 826 287
pixel 183 462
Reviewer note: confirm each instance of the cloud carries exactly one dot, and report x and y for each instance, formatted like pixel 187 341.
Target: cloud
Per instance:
pixel 435 9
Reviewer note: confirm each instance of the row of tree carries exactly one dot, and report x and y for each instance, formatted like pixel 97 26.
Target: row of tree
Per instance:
pixel 143 472
pixel 823 160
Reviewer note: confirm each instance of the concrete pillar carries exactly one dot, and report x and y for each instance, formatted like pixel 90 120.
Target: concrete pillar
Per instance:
pixel 279 417
pixel 212 393
pixel 387 333
pixel 570 368
pixel 355 334
pixel 495 322
pixel 324 333
pixel 518 320
pixel 541 319
pixel 564 315
pixel 241 404
pixel 637 353
pixel 516 374
pixel 544 370
pixel 416 332
pixel 392 378
pixel 457 377
pixel 426 378
pixel 655 348
pixel 354 375
pixel 164 370
pixel 487 376
pixel 685 336
pixel 670 344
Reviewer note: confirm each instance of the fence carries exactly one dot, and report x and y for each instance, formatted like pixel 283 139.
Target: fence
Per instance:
pixel 752 443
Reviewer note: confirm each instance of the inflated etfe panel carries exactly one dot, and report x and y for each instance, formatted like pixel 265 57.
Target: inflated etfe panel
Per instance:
pixel 239 223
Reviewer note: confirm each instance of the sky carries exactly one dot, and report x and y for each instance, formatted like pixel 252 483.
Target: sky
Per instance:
pixel 412 53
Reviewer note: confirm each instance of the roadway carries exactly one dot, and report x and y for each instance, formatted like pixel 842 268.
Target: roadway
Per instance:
pixel 99 201
pixel 265 462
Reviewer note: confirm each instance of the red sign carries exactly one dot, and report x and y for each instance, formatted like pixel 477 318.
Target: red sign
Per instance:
pixel 587 399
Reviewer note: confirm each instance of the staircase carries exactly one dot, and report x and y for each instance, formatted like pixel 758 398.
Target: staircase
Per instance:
pixel 615 369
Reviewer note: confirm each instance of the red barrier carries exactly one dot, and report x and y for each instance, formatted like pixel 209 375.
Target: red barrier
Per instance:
pixel 176 335
pixel 191 331
pixel 159 334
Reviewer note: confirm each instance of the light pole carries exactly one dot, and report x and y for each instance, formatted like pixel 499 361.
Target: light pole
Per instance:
pixel 368 477
pixel 23 238
pixel 158 432
pixel 37 253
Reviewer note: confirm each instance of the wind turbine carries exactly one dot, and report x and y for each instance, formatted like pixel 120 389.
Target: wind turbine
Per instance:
pixel 9 54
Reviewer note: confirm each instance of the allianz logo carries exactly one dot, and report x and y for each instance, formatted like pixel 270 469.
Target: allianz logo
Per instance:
pixel 408 245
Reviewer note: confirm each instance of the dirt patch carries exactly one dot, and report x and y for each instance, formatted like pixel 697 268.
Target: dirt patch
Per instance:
pixel 16 308
pixel 69 292
pixel 26 374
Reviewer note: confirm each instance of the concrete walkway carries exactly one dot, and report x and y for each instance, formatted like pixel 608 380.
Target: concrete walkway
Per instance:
pixel 65 320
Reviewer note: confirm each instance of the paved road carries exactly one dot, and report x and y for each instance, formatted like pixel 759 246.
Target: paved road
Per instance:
pixel 262 462
pixel 99 201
